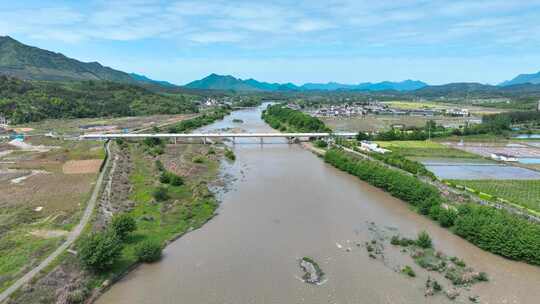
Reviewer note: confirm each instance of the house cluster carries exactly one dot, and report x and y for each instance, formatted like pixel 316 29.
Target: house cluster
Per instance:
pixel 458 112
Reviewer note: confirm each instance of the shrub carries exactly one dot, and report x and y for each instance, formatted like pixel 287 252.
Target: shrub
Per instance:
pixel 99 251
pixel 159 165
pixel 176 180
pixel 160 194
pixel 447 217
pixel 148 251
pixel 320 143
pixel 123 225
pixel 408 271
pixel 230 154
pixel 164 178
pixel 211 151
pixel 424 240
pixel 198 159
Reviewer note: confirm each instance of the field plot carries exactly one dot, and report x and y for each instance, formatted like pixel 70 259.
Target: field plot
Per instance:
pixel 425 149
pixel 45 184
pixel 475 110
pixel 374 123
pixel 522 192
pixel 486 149
pixel 89 125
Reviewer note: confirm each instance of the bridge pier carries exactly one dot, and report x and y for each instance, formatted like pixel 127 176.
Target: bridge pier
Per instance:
pixel 261 140
pixel 204 140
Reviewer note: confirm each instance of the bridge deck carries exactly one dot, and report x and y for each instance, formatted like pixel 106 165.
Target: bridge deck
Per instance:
pixel 214 135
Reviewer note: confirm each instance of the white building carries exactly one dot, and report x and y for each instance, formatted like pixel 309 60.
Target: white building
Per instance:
pixel 504 157
pixel 372 147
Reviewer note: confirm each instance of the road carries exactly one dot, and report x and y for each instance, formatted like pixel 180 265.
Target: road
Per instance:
pixel 72 237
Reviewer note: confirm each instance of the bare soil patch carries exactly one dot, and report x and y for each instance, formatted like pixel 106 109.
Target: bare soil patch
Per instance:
pixel 81 166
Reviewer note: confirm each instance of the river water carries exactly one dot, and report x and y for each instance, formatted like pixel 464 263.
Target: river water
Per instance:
pixel 285 204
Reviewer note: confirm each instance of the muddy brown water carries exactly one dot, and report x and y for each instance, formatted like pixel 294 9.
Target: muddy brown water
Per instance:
pixel 285 204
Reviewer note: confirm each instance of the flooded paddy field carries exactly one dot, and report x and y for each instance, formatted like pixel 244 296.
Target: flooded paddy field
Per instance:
pixel 475 169
pixel 286 204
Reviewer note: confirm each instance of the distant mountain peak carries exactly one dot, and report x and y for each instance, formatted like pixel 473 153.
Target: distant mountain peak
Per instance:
pixel 228 82
pixel 523 79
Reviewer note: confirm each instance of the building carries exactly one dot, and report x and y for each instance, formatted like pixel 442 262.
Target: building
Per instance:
pixel 503 157
pixel 372 147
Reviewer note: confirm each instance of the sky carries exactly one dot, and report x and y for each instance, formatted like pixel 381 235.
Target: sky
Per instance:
pixel 347 41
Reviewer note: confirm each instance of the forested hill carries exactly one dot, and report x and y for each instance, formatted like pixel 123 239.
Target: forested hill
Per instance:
pixel 25 101
pixel 31 63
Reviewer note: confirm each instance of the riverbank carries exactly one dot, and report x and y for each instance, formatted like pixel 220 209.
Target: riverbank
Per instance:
pixel 491 229
pixel 133 176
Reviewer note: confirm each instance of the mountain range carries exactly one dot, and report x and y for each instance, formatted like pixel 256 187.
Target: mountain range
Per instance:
pixel 228 82
pixel 32 63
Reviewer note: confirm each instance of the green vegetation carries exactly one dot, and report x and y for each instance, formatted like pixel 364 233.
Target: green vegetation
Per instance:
pixel 525 193
pixel 148 251
pixel 123 224
pixel 403 186
pixel 279 116
pixel 199 121
pixel 499 232
pixel 400 161
pixel 424 149
pixel 424 240
pixel 230 154
pixel 491 229
pixel 408 271
pixel 100 250
pixel 23 101
pixel 320 143
pixel 160 194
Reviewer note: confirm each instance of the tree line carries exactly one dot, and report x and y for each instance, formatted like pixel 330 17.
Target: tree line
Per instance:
pixel 25 101
pixel 286 119
pixel 494 230
pixel 199 121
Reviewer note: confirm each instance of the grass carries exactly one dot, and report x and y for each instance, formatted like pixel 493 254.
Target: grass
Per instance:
pixel 63 198
pixel 413 148
pixel 19 251
pixel 163 221
pixel 525 193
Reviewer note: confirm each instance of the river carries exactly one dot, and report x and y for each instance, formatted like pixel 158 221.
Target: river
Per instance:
pixel 285 204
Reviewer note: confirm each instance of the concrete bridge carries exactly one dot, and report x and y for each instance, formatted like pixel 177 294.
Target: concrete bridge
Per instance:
pixel 205 136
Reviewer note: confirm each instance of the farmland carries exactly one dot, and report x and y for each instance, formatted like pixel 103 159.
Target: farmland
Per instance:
pixel 522 192
pixel 44 193
pixel 425 149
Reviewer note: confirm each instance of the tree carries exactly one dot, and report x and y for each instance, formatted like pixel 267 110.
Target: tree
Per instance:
pixel 148 251
pixel 123 225
pixel 362 136
pixel 99 251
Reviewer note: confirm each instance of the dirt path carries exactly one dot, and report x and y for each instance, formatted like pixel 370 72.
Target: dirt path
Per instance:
pixel 73 235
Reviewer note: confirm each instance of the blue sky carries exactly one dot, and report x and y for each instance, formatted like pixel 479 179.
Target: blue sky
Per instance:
pixel 298 41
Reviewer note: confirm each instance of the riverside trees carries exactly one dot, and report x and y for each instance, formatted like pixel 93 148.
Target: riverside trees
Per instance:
pixel 491 229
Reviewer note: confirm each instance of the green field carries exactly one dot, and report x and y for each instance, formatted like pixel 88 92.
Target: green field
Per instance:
pixel 525 193
pixel 425 149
